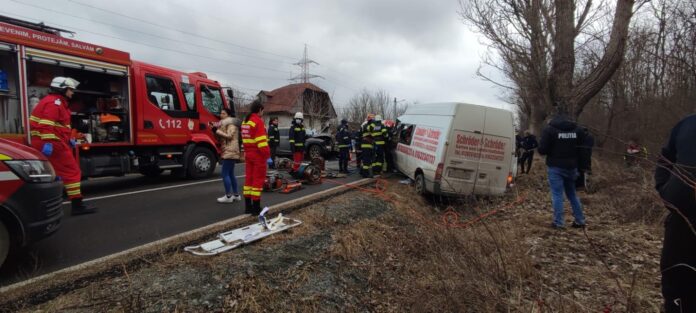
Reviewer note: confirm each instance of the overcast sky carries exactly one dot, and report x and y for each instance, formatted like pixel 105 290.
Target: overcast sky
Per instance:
pixel 419 51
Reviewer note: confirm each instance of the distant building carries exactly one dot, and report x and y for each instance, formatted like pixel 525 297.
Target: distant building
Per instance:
pixel 314 103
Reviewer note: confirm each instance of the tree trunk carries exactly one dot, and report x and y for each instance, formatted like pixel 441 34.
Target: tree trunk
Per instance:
pixel 563 58
pixel 605 69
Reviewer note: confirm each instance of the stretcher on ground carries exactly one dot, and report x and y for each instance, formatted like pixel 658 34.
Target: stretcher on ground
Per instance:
pixel 237 237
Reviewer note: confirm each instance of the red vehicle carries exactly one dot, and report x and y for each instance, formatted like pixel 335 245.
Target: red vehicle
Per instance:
pixel 30 197
pixel 128 116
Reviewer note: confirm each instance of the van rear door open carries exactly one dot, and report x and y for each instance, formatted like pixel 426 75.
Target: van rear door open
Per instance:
pixel 464 151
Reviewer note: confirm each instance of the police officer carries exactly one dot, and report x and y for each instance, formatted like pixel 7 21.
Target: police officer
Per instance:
pixel 675 167
pixel 560 142
pixel 379 134
pixel 367 146
pixel 297 137
pixel 343 140
pixel 273 138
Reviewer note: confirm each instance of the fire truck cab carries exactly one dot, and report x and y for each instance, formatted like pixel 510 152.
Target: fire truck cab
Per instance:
pixel 128 116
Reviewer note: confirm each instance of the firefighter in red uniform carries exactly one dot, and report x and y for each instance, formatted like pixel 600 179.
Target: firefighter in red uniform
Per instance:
pixel 256 152
pixel 51 134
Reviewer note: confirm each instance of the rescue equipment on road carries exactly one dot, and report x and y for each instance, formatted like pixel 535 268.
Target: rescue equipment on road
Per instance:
pixel 235 238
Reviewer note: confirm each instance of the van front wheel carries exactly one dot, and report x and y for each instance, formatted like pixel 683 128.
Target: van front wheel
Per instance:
pixel 420 184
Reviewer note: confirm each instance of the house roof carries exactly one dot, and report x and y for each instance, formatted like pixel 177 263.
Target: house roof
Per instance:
pixel 284 98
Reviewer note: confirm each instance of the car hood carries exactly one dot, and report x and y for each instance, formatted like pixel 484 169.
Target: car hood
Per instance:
pixel 16 151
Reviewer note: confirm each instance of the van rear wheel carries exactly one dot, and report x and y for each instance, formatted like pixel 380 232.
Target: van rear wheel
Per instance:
pixel 4 243
pixel 420 184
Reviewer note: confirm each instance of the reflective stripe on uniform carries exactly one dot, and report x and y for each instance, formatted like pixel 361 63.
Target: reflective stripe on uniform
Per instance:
pixel 250 123
pixel 380 143
pixel 263 144
pixel 44 136
pixel 4 157
pixel 47 122
pixel 73 185
pixel 365 145
pixel 254 140
pixel 299 144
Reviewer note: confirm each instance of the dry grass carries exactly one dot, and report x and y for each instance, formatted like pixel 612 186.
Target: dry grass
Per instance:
pixel 393 253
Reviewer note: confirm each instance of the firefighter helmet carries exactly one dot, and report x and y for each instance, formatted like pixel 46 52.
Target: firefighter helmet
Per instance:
pixel 370 116
pixel 61 83
pixel 378 117
pixel 299 115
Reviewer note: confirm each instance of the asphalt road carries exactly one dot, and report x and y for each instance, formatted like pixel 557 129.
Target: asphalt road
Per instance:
pixel 135 210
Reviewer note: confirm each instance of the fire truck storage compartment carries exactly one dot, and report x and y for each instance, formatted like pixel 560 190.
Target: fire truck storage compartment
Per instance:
pixel 100 106
pixel 104 164
pixel 10 110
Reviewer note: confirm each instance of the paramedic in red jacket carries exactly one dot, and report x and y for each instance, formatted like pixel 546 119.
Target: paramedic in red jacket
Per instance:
pixel 256 152
pixel 51 134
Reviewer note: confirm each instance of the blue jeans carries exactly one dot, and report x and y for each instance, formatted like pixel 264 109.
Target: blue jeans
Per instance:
pixel 563 180
pixel 228 177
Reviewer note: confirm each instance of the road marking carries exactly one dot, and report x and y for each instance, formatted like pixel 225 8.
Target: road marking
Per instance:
pixel 153 189
pixel 51 282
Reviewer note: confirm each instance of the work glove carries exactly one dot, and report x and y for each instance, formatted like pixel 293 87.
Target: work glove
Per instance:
pixel 47 149
pixel 73 142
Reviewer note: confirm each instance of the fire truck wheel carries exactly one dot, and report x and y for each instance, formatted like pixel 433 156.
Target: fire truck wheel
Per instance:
pixel 314 151
pixel 4 243
pixel 201 163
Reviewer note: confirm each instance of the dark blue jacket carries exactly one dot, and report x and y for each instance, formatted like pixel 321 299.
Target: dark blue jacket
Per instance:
pixel 561 142
pixel 343 136
pixel 529 142
pixel 679 156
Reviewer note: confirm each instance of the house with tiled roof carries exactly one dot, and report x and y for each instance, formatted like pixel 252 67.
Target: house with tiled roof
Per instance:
pixel 314 103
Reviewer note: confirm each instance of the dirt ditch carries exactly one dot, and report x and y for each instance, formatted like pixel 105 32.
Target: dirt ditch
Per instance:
pixel 392 251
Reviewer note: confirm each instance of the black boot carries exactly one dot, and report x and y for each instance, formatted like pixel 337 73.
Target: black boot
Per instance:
pixel 248 206
pixel 79 208
pixel 257 207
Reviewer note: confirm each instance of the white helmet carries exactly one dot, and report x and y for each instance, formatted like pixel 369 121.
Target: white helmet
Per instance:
pixel 62 83
pixel 299 115
pixel 378 117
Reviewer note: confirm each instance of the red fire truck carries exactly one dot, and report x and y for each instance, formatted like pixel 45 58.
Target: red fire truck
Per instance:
pixel 128 116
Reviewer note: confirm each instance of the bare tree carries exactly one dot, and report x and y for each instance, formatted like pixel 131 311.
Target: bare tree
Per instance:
pixel 317 108
pixel 537 42
pixel 375 102
pixel 656 84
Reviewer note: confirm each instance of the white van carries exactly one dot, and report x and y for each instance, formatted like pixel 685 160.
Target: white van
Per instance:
pixel 456 149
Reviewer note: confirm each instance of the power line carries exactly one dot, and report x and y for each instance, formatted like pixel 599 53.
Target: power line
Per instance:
pixel 158 47
pixel 352 79
pixel 146 33
pixel 178 30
